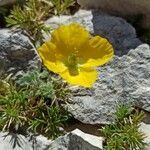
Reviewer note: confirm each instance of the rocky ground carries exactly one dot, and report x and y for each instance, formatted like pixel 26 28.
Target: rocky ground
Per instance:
pixel 126 79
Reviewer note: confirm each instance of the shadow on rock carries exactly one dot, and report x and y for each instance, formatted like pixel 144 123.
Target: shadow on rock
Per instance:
pixel 120 33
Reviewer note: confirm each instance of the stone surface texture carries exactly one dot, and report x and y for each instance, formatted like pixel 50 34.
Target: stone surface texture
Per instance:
pixel 125 79
pixel 17 53
pixel 122 8
pixel 145 128
pixel 77 140
pixel 39 142
pixel 7 2
pixel 120 33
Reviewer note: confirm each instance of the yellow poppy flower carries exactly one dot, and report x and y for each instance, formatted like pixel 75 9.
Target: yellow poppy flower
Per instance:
pixel 73 54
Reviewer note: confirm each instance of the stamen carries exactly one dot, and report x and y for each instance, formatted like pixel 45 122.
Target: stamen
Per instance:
pixel 72 64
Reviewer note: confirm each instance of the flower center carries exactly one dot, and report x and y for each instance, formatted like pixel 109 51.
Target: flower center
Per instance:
pixel 72 64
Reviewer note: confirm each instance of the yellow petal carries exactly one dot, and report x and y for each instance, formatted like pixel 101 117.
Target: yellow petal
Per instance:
pixel 56 67
pixel 85 78
pixel 69 38
pixel 50 58
pixel 96 52
pixel 47 51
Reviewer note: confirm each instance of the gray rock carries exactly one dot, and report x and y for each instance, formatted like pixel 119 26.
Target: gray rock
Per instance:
pixel 123 8
pixel 120 33
pixel 7 2
pixel 17 53
pixel 77 140
pixel 10 2
pixel 7 142
pixel 145 128
pixel 124 80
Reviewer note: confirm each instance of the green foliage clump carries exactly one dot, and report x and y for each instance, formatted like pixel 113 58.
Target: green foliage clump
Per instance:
pixel 35 105
pixel 124 133
pixel 60 6
pixel 45 86
pixel 31 16
pixel 5 87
